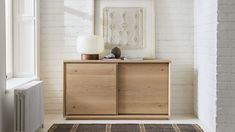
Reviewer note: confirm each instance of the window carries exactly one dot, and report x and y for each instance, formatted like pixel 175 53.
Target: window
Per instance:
pixel 9 53
pixel 21 38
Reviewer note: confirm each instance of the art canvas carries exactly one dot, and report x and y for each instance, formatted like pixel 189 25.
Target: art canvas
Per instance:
pixel 123 27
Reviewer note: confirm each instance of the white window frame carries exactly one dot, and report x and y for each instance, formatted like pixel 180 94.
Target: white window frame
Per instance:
pixel 20 16
pixel 9 41
pixel 13 50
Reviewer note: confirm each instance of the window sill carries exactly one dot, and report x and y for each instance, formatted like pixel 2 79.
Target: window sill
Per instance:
pixel 16 82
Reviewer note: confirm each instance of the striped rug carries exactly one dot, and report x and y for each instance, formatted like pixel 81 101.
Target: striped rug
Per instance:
pixel 125 128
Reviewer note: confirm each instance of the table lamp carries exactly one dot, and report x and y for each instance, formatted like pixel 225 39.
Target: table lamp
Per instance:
pixel 90 47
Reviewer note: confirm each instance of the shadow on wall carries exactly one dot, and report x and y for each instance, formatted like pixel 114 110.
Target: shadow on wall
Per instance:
pixel 196 92
pixel 77 13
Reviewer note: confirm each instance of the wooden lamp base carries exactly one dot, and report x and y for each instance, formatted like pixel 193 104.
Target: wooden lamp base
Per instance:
pixel 89 56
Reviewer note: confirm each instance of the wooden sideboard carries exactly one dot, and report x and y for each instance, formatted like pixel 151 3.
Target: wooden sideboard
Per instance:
pixel 104 89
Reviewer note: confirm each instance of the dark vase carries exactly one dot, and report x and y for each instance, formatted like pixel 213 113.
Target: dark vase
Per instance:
pixel 117 52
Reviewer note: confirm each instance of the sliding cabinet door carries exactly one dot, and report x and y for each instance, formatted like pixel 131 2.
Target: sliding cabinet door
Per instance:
pixel 90 89
pixel 143 88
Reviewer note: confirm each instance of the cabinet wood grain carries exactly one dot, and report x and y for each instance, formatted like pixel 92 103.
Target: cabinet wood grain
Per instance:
pixel 117 89
pixel 143 88
pixel 91 89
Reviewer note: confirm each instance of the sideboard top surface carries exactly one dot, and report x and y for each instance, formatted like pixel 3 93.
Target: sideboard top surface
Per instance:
pixel 118 61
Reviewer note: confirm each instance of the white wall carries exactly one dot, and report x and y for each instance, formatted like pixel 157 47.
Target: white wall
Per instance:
pixel 174 41
pixel 2 62
pixel 205 40
pixel 63 20
pixel 226 67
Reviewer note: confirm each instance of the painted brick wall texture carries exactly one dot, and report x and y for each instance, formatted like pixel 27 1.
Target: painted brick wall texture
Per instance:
pixel 226 67
pixel 174 41
pixel 205 41
pixel 61 22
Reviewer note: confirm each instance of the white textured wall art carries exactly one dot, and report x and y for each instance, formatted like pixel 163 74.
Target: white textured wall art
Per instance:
pixel 123 27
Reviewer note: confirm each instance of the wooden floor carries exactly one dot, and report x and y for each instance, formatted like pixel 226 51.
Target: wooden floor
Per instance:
pixel 176 119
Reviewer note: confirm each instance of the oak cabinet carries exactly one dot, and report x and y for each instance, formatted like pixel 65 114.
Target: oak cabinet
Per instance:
pixel 117 89
pixel 90 89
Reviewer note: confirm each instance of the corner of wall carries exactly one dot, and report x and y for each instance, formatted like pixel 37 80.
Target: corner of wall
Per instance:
pixel 2 64
pixel 205 61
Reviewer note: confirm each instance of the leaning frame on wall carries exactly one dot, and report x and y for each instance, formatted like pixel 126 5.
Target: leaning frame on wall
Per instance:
pixel 151 50
pixel 129 33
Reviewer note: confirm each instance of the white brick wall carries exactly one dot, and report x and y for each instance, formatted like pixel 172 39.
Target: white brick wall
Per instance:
pixel 174 41
pixel 60 24
pixel 226 67
pixel 205 41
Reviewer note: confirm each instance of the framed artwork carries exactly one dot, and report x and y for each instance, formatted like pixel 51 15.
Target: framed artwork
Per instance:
pixel 123 27
pixel 127 24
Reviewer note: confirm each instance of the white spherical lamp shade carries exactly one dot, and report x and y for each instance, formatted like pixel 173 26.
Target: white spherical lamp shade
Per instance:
pixel 90 44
